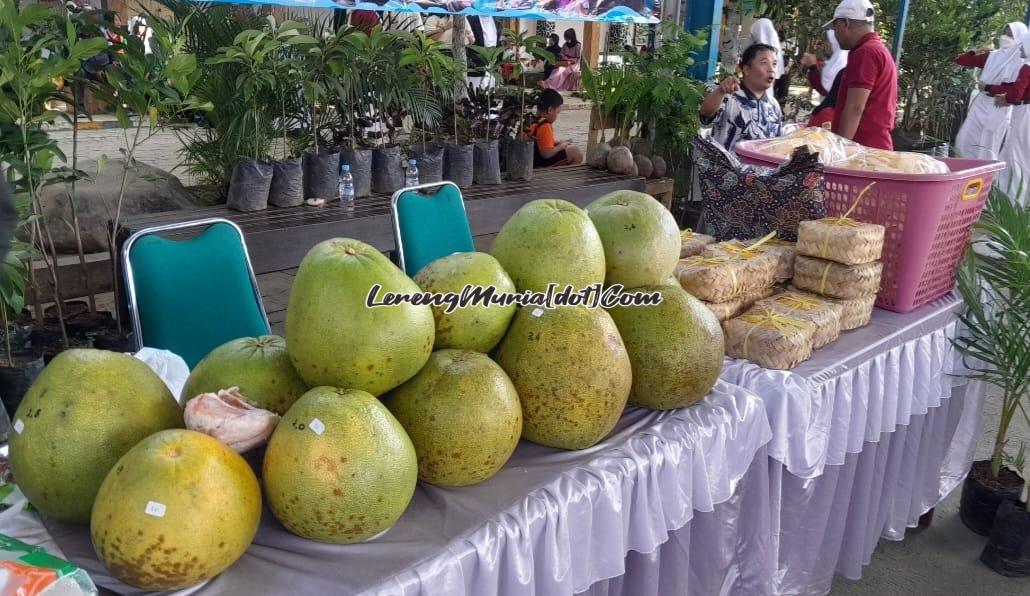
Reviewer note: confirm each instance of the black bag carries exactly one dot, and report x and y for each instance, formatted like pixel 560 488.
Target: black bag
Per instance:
pixel 387 175
pixel 1008 549
pixel 486 162
pixel 459 164
pixel 429 161
pixel 322 175
pixel 360 162
pixel 287 188
pixel 249 184
pixel 520 159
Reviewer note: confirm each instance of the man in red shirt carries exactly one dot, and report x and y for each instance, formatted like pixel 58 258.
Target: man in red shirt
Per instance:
pixel 868 95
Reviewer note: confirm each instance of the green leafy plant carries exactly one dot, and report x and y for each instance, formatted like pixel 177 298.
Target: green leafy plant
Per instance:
pixel 994 282
pixel 492 59
pixel 39 49
pixel 534 45
pixel 157 87
pixel 431 70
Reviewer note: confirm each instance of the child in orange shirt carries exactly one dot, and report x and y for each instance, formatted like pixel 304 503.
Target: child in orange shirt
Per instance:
pixel 547 153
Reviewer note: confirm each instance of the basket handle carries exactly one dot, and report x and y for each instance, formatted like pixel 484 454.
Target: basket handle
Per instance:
pixel 972 189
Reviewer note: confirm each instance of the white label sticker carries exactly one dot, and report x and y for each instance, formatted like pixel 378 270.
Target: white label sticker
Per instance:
pixel 19 426
pixel 154 508
pixel 537 312
pixel 316 426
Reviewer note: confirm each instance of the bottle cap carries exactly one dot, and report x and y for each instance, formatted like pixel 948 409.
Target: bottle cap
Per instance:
pixel 345 168
pixel 411 162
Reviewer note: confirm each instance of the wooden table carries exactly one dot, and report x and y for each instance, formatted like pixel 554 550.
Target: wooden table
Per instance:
pixel 278 238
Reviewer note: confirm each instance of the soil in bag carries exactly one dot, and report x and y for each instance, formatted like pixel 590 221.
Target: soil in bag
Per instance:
pixel 249 185
pixel 322 175
pixel 429 162
pixel 1008 549
pixel 387 174
pixel 459 164
pixel 520 160
pixel 486 162
pixel 287 188
pixel 360 162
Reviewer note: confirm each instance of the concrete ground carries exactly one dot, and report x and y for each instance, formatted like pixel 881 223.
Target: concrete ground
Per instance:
pixel 941 560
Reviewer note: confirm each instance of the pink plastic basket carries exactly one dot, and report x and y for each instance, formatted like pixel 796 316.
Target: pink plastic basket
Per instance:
pixel 927 219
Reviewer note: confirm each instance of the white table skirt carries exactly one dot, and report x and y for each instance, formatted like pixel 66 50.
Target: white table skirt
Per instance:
pixel 869 382
pixel 727 551
pixel 551 522
pixel 832 523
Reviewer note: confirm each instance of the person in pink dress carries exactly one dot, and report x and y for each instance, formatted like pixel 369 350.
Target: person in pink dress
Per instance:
pixel 565 76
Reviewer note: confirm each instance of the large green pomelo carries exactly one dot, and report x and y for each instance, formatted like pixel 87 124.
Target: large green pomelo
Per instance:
pixel 259 366
pixel 178 509
pixel 571 371
pixel 339 467
pixel 550 241
pixel 463 416
pixel 641 238
pixel 477 328
pixel 335 339
pixel 676 348
pixel 85 410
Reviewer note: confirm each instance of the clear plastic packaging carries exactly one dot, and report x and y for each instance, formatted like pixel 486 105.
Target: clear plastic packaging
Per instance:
pixel 899 162
pixel 29 570
pixel 831 148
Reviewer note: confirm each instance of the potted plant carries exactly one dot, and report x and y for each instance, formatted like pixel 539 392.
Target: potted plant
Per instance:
pixel 486 158
pixel 1008 547
pixel 431 70
pixel 251 178
pixel 321 167
pixel 519 154
pixel 994 282
pixel 38 48
pixel 287 189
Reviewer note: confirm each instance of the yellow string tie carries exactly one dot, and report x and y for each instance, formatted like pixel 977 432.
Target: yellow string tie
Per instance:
pixel 843 220
pixel 770 318
pixel 822 282
pixel 796 302
pixel 747 252
pixel 686 234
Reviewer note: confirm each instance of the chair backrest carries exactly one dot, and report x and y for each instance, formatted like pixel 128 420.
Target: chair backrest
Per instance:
pixel 429 222
pixel 190 296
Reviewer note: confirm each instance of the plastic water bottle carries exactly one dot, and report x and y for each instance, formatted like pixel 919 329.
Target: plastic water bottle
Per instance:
pixel 346 186
pixel 411 176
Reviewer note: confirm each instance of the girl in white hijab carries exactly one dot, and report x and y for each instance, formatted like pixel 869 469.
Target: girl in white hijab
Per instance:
pixel 762 31
pixel 1016 150
pixel 835 63
pixel 986 123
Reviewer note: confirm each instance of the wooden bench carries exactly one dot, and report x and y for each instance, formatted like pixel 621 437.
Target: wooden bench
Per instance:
pixel 660 189
pixel 278 238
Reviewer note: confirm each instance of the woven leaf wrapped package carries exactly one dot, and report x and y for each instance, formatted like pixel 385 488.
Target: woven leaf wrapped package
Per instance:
pixel 840 239
pixel 854 313
pixel 823 314
pixel 768 338
pixel 783 251
pixel 693 243
pixel 827 278
pixel 731 308
pixel 718 279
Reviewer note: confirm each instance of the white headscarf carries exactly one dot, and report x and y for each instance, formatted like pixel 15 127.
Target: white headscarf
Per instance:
pixel 835 63
pixel 1003 64
pixel 489 31
pixel 762 31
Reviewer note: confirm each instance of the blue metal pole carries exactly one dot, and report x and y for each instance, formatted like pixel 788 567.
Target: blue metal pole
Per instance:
pixel 899 34
pixel 705 14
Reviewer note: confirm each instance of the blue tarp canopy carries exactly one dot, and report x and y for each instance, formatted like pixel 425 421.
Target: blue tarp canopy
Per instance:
pixel 608 11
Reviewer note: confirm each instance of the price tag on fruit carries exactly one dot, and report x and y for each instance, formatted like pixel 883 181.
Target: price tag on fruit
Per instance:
pixel 316 426
pixel 155 509
pixel 19 426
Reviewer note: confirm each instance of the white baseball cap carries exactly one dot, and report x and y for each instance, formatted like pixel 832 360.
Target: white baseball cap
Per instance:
pixel 855 10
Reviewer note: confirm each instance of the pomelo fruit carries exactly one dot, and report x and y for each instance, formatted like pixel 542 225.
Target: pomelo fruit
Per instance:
pixel 641 239
pixel 259 366
pixel 571 371
pixel 477 328
pixel 462 414
pixel 335 339
pixel 550 241
pixel 84 411
pixel 177 509
pixel 676 348
pixel 339 467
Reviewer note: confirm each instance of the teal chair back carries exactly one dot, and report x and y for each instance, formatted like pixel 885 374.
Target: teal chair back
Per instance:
pixel 190 296
pixel 429 222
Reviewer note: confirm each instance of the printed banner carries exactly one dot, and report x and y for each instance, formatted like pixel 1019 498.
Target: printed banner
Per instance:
pixel 609 11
